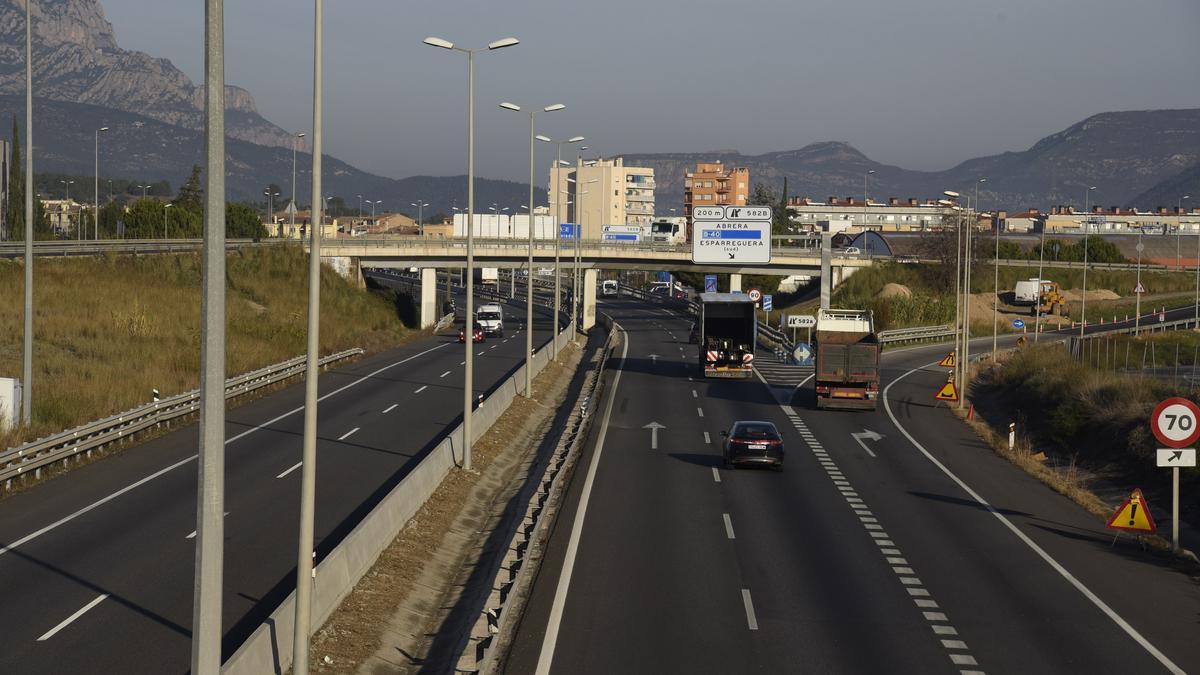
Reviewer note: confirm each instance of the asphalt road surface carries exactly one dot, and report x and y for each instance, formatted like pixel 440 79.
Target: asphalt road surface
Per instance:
pixel 909 549
pixel 96 569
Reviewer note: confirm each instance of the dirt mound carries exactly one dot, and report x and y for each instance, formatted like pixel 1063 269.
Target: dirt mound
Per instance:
pixel 1075 295
pixel 982 307
pixel 894 290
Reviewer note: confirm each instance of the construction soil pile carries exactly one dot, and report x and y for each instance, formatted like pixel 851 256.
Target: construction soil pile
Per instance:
pixel 894 290
pixel 1075 295
pixel 981 310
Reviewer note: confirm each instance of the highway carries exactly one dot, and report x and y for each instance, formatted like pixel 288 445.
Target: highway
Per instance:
pixel 912 549
pixel 96 567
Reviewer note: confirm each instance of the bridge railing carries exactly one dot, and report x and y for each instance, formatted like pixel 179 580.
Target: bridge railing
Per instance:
pixel 35 455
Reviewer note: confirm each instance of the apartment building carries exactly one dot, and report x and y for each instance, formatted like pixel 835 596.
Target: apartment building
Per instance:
pixel 1118 220
pixel 895 215
pixel 711 184
pixel 600 192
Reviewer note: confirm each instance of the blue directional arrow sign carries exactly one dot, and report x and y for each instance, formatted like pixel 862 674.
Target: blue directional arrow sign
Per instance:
pixel 803 354
pixel 1017 323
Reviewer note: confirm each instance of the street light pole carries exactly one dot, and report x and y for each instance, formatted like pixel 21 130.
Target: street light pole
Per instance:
pixel 165 207
pixel 308 473
pixel 420 216
pixel 292 217
pixel 96 187
pixel 865 177
pixel 558 198
pixel 968 256
pixel 469 375
pixel 1087 194
pixel 1037 307
pixel 27 356
pixel 210 497
pixel 1137 291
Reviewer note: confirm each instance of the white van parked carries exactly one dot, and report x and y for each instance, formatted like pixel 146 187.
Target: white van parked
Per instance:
pixel 608 288
pixel 490 318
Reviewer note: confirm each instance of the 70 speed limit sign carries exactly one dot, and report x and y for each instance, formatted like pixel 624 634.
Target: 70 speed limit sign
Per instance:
pixel 1176 422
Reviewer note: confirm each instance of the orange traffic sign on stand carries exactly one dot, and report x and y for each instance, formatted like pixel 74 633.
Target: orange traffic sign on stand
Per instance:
pixel 947 362
pixel 1133 515
pixel 948 392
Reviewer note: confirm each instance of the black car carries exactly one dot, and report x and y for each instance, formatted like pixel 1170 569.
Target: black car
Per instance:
pixel 753 442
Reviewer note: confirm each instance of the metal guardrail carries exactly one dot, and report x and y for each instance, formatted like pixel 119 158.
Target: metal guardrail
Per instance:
pixel 513 572
pixel 65 248
pixel 35 455
pixel 915 334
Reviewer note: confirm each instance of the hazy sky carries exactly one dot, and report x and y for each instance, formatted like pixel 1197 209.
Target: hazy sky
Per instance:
pixel 922 84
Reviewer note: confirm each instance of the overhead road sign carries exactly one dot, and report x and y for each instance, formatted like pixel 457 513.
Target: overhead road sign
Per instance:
pixel 801 321
pixel 1176 422
pixel 720 237
pixel 947 362
pixel 1133 515
pixel 568 230
pixel 948 392
pixel 1176 457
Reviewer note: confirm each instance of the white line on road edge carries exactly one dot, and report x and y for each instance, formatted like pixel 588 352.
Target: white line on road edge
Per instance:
pixel 50 633
pixel 293 468
pixel 728 526
pixel 444 374
pixel 392 407
pixel 750 620
pixel 348 434
pixel 549 642
pixel 1087 593
pixel 716 475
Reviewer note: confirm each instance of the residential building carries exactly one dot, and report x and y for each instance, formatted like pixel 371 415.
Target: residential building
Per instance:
pixel 620 195
pixel 63 214
pixel 284 230
pixel 1117 220
pixel 896 215
pixel 711 184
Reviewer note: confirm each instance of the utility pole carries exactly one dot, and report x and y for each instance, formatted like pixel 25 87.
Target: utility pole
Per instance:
pixel 27 357
pixel 210 498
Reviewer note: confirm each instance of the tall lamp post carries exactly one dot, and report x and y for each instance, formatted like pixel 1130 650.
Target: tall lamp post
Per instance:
pixel 556 194
pixel 420 216
pixel 292 209
pixel 165 207
pixel 529 269
pixel 27 346
pixel 96 188
pixel 578 240
pixel 1037 314
pixel 469 379
pixel 1087 218
pixel 866 176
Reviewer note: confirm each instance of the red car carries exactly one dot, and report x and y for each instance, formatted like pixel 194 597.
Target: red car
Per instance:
pixel 477 335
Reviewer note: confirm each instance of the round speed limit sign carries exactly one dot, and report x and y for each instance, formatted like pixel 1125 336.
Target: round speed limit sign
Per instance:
pixel 1176 422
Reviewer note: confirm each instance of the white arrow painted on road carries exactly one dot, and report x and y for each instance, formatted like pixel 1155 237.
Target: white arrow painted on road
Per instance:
pixel 870 436
pixel 654 427
pixel 654 358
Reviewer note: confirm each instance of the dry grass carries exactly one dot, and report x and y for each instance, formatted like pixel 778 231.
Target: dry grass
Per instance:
pixel 109 329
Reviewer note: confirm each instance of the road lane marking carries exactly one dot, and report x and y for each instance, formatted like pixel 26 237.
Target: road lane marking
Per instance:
pixel 392 407
pixel 348 434
pixel 78 613
pixel 461 363
pixel 728 526
pixel 749 604
pixel 193 534
pixel 707 439
pixel 1054 564
pixel 716 475
pixel 694 394
pixel 700 412
pixel 444 374
pixel 550 639
pixel 293 468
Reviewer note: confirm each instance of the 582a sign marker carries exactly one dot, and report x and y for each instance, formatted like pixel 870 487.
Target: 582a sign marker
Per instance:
pixel 1176 422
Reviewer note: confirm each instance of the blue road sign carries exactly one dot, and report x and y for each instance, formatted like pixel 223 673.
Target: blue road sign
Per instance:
pixel 803 354
pixel 619 237
pixel 568 230
pixel 664 276
pixel 766 303
pixel 710 283
pixel 1017 323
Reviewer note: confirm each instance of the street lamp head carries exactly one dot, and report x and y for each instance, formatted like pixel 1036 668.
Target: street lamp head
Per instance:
pixel 871 172
pixel 544 139
pixel 103 129
pixel 169 205
pixel 300 135
pixel 564 162
pixel 951 194
pixel 504 42
pixel 1093 187
pixel 510 106
pixel 981 180
pixel 552 108
pixel 575 139
pixel 945 202
pixel 438 42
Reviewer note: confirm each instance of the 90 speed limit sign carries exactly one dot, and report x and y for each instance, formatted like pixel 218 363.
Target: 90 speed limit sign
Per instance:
pixel 1176 422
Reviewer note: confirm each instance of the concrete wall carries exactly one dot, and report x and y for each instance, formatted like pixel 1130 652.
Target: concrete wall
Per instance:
pixel 269 648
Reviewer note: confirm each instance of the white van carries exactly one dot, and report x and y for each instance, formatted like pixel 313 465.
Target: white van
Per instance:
pixel 1026 292
pixel 490 318
pixel 608 288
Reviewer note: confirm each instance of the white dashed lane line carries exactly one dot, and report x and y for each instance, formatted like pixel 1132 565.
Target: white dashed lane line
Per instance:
pixel 392 407
pixel 716 475
pixel 700 412
pixel 348 434
pixel 946 633
pixel 444 374
pixel 67 622
pixel 289 470
pixel 751 621
pixel 423 388
pixel 728 526
pixel 707 438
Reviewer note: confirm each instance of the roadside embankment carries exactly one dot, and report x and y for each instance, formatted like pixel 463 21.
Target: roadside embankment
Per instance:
pixel 110 329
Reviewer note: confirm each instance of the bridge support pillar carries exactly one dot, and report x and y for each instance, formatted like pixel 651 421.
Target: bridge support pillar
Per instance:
pixel 735 283
pixel 589 298
pixel 429 313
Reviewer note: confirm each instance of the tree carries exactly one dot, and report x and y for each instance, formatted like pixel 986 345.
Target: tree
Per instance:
pixel 763 195
pixel 242 222
pixel 16 189
pixel 191 194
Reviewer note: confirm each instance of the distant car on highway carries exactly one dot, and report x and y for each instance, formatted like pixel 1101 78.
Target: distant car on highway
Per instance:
pixel 907 259
pixel 490 317
pixel 755 443
pixel 852 250
pixel 476 334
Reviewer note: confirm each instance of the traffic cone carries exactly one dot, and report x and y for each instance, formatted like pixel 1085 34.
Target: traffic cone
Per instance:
pixel 971 412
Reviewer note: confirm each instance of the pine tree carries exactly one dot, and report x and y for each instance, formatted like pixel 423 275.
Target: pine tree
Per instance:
pixel 16 189
pixel 191 194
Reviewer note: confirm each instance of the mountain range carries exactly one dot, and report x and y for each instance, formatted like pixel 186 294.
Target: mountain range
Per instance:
pixel 1129 156
pixel 84 80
